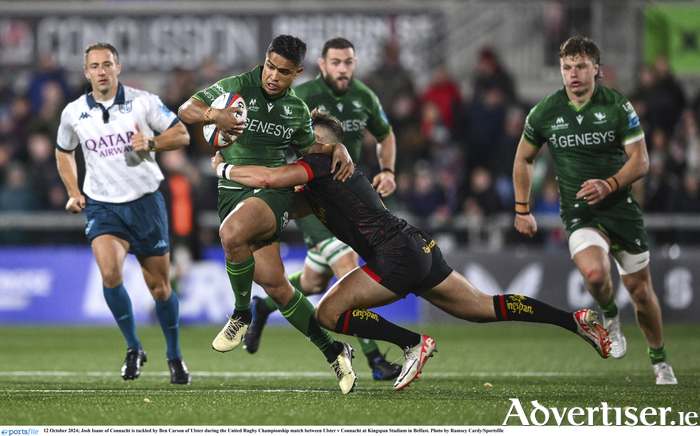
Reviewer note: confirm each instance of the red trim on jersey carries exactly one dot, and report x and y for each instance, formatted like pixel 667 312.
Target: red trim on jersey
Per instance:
pixel 306 166
pixel 503 307
pixel 369 272
pixel 346 322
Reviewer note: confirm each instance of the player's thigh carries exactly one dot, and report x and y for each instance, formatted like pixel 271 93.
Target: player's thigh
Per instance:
pixel 156 273
pixel 251 220
pixel 110 252
pixel 460 298
pixel 357 290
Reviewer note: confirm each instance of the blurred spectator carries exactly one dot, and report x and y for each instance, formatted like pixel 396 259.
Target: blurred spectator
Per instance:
pixel 393 85
pixel 489 75
pixel 547 204
pixel 17 195
pixel 445 95
pixel 666 99
pixel 43 173
pixel 17 127
pixel 47 71
pixel 503 156
pixel 687 200
pixel 482 199
pixel 658 185
pixel 48 117
pixel 480 124
pixel 691 140
pixel 426 196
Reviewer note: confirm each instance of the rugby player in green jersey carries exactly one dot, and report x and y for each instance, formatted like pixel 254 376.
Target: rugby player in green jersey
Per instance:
pixel 251 219
pixel 589 129
pixel 336 92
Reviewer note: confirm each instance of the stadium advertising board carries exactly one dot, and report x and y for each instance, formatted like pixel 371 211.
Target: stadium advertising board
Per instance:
pixel 65 286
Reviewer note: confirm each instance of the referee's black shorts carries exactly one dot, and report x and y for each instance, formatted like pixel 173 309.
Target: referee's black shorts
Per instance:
pixel 410 264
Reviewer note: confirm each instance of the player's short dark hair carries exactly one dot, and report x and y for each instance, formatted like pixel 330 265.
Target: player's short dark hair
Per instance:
pixel 289 47
pixel 101 46
pixel 329 123
pixel 336 43
pixel 581 46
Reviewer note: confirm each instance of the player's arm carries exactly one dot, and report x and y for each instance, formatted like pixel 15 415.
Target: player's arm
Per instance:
pixel 172 139
pixel 196 111
pixel 339 154
pixel 637 165
pixel 384 182
pixel 523 171
pixel 255 176
pixel 68 171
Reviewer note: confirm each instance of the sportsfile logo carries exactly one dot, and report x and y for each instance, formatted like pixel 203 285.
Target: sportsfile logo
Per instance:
pixel 578 416
pixel 30 431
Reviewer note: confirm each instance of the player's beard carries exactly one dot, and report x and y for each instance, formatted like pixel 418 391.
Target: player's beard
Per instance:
pixel 334 85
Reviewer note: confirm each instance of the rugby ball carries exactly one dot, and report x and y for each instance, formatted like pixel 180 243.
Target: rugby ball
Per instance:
pixel 211 133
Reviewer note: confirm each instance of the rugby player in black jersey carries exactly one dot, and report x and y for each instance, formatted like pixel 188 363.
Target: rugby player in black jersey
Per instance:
pixel 399 260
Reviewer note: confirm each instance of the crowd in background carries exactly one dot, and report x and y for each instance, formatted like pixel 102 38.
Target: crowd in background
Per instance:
pixel 455 146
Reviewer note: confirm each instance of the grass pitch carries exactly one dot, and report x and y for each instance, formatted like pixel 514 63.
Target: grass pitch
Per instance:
pixel 70 376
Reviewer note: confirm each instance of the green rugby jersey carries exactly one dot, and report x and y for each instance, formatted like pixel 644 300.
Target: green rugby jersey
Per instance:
pixel 358 109
pixel 585 143
pixel 274 123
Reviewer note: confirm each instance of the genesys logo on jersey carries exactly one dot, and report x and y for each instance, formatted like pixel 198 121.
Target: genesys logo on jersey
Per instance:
pixel 581 139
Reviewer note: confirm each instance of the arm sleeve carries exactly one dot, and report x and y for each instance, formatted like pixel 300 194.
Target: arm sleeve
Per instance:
pixel 66 139
pixel 378 124
pixel 159 117
pixel 629 128
pixel 531 133
pixel 208 95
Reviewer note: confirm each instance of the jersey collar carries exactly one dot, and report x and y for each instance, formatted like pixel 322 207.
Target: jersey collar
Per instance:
pixel 119 99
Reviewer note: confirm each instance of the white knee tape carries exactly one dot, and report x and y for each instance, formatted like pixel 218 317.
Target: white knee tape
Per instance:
pixel 628 263
pixel 316 262
pixel 333 249
pixel 584 238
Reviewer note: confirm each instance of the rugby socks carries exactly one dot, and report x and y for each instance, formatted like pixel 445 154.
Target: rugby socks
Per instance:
pixel 295 280
pixel 609 311
pixel 510 307
pixel 302 315
pixel 366 324
pixel 240 274
pixel 368 347
pixel 119 303
pixel 657 355
pixel 168 312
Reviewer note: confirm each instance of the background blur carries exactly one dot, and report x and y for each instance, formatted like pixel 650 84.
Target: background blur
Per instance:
pixel 456 79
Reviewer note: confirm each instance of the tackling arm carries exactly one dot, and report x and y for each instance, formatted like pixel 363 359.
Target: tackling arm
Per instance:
pixel 254 176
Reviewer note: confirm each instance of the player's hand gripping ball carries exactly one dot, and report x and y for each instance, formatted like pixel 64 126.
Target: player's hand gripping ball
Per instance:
pixel 212 133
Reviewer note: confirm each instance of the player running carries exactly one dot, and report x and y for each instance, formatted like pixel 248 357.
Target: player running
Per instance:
pixel 590 129
pixel 336 92
pixel 400 260
pixel 251 219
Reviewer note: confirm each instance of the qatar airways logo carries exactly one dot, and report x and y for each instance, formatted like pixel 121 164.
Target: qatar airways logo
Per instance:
pixel 110 145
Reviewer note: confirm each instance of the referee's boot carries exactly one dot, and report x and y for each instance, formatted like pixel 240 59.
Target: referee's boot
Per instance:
pixel 133 363
pixel 179 375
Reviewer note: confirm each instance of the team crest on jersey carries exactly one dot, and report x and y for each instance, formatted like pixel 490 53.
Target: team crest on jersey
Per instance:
pixel 561 124
pixel 601 118
pixel 287 112
pixel 358 106
pixel 127 106
pixel 253 105
pixel 340 107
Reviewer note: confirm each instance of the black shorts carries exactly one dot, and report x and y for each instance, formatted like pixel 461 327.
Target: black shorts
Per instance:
pixel 412 267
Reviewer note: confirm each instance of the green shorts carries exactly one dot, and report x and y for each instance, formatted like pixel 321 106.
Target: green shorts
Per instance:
pixel 280 201
pixel 622 222
pixel 314 230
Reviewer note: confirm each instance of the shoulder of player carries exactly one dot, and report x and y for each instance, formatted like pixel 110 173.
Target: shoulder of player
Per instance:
pixel 134 93
pixel 609 96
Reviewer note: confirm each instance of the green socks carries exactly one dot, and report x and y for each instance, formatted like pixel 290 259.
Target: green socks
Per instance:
pixel 240 274
pixel 609 311
pixel 657 355
pixel 302 315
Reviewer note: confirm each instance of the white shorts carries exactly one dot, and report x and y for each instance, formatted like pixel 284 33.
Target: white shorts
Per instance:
pixel 627 263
